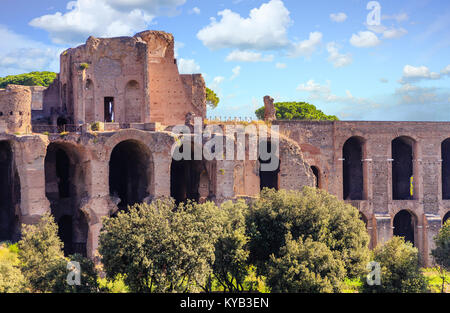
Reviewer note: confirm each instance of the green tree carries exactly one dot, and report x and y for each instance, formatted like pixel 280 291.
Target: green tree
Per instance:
pixel 308 213
pixel 43 263
pixel 29 79
pixel 159 247
pixel 305 266
pixel 212 100
pixel 400 269
pixel 297 111
pixel 231 253
pixel 11 277
pixel 441 253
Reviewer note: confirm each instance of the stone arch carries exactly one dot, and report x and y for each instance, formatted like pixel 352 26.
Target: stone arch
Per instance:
pixel 445 156
pixel 65 187
pixel 404 224
pixel 353 171
pixel 403 153
pixel 268 178
pixel 446 217
pixel 133 102
pixel 9 194
pixel 130 172
pixel 89 105
pixel 186 177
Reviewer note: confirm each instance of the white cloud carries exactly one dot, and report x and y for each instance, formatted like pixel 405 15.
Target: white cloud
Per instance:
pixel 323 92
pixel 217 81
pixel 280 65
pixel 264 29
pixel 236 72
pixel 22 54
pixel 338 17
pixel 364 39
pixel 307 47
pixel 413 73
pixel 394 33
pixel 195 10
pixel 102 18
pixel 187 66
pixel 338 59
pixel 248 56
pixel 446 70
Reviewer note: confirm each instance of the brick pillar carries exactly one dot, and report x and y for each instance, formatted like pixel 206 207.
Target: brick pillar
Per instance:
pixel 383 228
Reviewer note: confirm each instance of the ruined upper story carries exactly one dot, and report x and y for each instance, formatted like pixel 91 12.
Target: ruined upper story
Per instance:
pixel 122 80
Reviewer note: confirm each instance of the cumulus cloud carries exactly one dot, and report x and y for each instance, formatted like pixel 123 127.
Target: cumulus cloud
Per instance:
pixel 264 29
pixel 414 74
pixel 364 39
pixel 307 47
pixel 22 54
pixel 338 17
pixel 102 18
pixel 187 66
pixel 323 92
pixel 336 58
pixel 248 56
pixel 216 82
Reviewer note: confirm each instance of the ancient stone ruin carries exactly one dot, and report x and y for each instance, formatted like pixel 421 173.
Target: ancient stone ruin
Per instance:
pixel 100 138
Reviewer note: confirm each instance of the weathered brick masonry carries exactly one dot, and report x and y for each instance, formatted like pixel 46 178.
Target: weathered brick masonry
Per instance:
pixel 129 91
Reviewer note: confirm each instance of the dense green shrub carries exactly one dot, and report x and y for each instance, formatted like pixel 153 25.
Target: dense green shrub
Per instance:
pixel 11 277
pixel 442 251
pixel 29 79
pixel 309 213
pixel 296 111
pixel 400 269
pixel 161 248
pixel 305 266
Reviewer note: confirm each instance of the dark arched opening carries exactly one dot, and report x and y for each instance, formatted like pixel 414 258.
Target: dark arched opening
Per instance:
pixel 316 173
pixel 269 166
pixel 445 156
pixel 402 168
pixel 446 217
pixel 9 194
pixel 404 225
pixel 353 169
pixel 65 186
pixel 129 173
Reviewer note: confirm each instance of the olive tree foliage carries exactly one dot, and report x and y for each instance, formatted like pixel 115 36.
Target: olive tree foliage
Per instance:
pixel 400 269
pixel 11 277
pixel 231 253
pixel 305 266
pixel 43 263
pixel 441 253
pixel 159 247
pixel 310 213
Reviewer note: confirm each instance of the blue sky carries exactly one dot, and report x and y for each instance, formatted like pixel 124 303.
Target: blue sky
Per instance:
pixel 323 51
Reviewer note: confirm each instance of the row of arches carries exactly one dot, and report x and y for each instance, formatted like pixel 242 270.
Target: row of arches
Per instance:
pixel 403 169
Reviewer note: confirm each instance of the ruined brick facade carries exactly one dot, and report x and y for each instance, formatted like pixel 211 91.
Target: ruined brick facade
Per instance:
pixel 129 91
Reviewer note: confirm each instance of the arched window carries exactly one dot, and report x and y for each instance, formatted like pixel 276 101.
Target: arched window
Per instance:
pixel 353 176
pixel 134 99
pixel 402 168
pixel 130 170
pixel 269 166
pixel 316 173
pixel 404 224
pixel 446 217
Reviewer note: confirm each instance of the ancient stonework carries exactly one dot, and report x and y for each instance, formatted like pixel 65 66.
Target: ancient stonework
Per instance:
pixel 101 138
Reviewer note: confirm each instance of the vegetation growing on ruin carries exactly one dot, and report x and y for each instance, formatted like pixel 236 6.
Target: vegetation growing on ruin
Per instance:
pixel 29 79
pixel 212 100
pixel 297 111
